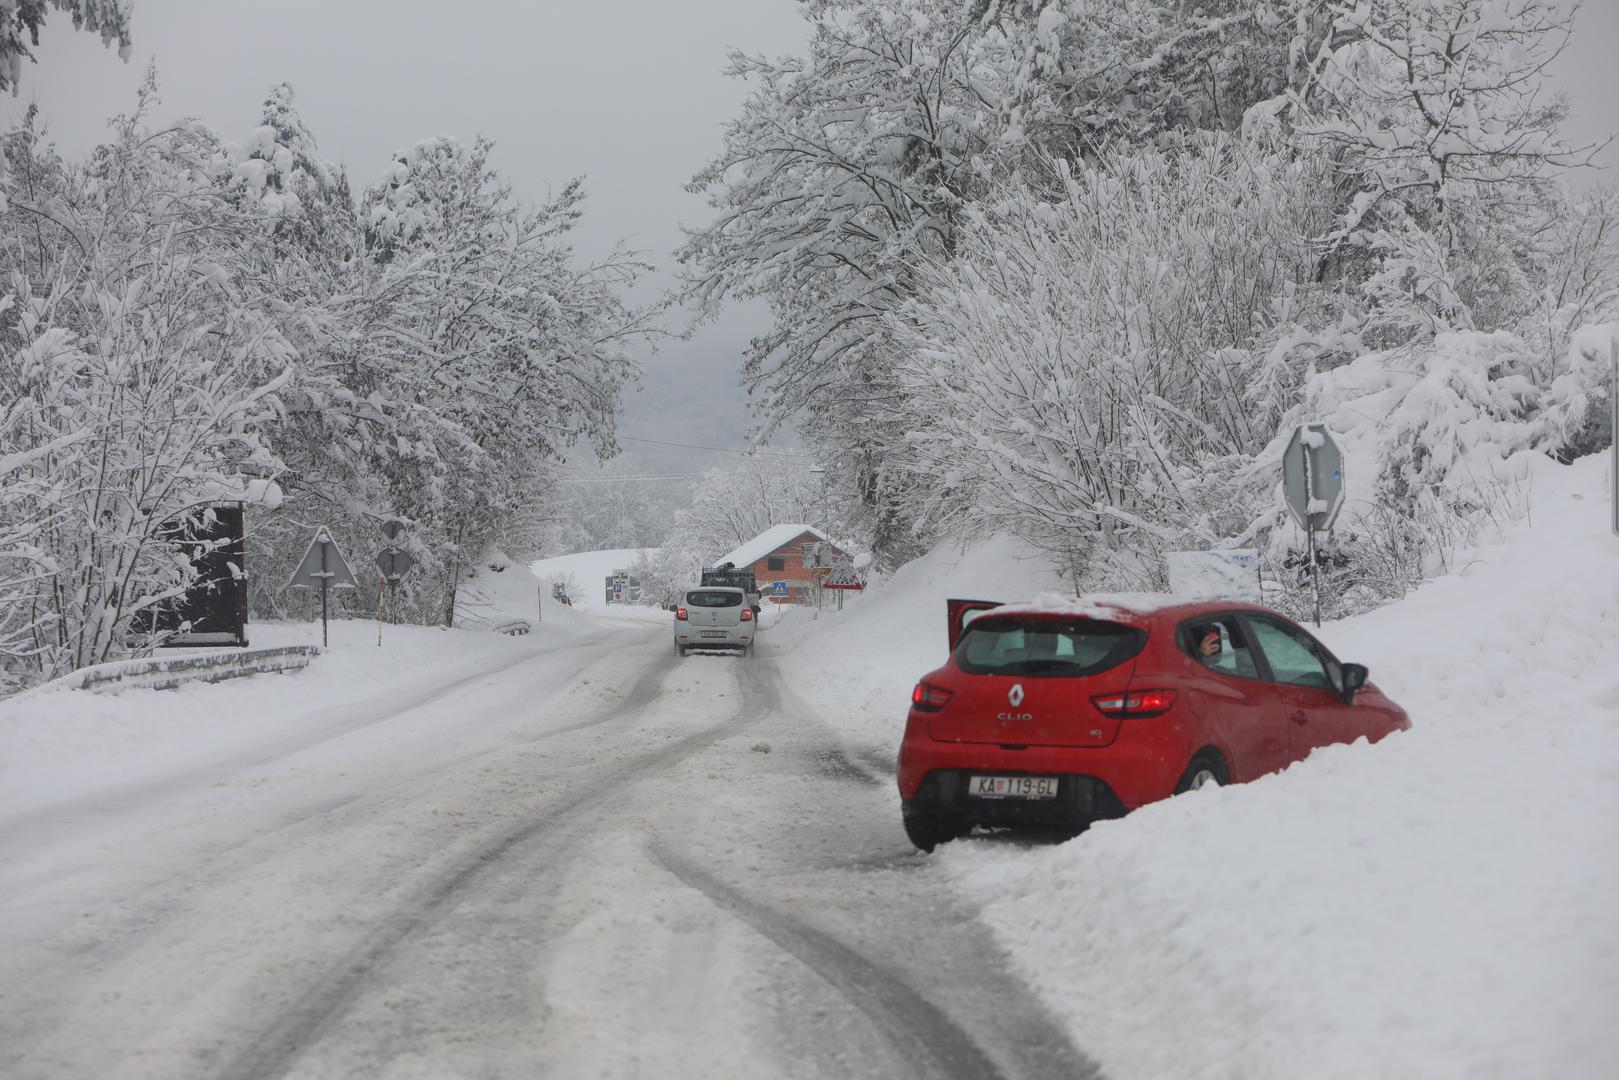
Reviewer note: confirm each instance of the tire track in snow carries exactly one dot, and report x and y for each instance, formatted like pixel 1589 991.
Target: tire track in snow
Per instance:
pixel 164 906
pixel 920 1031
pixel 276 1050
pixel 924 943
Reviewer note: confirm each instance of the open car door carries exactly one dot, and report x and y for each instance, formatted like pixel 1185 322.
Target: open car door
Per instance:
pixel 963 612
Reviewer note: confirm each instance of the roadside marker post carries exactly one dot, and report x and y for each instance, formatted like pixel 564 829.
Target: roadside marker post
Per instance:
pixel 393 563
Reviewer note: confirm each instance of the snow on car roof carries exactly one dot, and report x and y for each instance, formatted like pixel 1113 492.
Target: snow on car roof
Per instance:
pixel 766 542
pixel 1099 605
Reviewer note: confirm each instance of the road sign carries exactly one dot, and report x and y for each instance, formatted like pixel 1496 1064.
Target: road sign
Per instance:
pixel 1313 484
pixel 843 576
pixel 1313 477
pixel 778 588
pixel 322 567
pixel 394 564
pixel 392 528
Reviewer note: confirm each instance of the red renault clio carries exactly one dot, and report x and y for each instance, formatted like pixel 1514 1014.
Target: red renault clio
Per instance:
pixel 1061 712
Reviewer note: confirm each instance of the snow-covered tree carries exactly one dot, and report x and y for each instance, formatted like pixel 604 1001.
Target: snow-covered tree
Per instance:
pixel 20 19
pixel 137 387
pixel 844 169
pixel 205 321
pixel 1088 74
pixel 1437 115
pixel 518 351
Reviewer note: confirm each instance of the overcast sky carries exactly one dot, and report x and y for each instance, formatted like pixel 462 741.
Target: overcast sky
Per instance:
pixel 629 93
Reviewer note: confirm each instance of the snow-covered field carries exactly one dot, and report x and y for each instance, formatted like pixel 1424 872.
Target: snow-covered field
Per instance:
pixel 1441 904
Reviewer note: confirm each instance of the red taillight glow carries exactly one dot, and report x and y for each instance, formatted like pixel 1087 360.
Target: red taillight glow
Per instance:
pixel 929 698
pixel 1135 704
pixel 680 615
pixel 747 614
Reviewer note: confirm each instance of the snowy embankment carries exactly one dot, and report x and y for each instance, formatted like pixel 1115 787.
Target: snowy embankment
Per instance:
pixel 586 572
pixel 1441 904
pixel 63 745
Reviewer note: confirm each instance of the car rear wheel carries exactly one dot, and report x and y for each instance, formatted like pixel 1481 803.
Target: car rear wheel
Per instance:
pixel 928 831
pixel 1205 769
pixel 680 650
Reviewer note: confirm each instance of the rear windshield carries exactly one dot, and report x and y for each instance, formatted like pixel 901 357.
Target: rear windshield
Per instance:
pixel 713 598
pixel 1057 647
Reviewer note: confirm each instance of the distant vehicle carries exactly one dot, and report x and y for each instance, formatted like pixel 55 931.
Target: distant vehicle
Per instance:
pixel 559 593
pixel 1061 715
pixel 727 574
pixel 715 618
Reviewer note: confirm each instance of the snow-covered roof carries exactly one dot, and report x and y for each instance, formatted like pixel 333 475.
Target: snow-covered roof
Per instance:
pixel 767 542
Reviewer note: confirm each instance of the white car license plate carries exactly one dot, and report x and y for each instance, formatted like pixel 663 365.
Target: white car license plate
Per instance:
pixel 715 633
pixel 1013 787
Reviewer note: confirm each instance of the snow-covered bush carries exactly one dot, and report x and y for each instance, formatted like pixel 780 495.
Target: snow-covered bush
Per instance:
pixel 1080 370
pixel 155 407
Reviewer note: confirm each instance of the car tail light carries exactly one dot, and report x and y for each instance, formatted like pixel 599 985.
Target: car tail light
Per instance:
pixel 747 614
pixel 929 698
pixel 680 615
pixel 1135 704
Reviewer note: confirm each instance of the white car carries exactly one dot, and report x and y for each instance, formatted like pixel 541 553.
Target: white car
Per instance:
pixel 714 617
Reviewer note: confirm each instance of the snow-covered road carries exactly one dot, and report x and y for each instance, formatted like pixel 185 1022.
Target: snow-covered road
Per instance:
pixel 589 859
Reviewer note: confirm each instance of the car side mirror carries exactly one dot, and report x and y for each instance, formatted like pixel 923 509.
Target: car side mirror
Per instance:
pixel 1354 677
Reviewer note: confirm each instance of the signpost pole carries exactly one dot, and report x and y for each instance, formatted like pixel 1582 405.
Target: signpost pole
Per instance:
pixel 325 583
pixel 1309 530
pixel 382 592
pixel 1613 433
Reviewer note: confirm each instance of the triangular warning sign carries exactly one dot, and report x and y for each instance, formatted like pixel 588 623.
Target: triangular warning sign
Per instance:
pixel 322 565
pixel 843 576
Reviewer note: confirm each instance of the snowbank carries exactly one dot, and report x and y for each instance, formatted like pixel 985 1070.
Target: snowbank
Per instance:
pixel 501 591
pixel 1439 905
pixel 858 665
pixel 58 746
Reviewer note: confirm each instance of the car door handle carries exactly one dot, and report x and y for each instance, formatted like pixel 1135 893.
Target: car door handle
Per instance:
pixel 1301 718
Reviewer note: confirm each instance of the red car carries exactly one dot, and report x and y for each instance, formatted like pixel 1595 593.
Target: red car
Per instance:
pixel 1060 714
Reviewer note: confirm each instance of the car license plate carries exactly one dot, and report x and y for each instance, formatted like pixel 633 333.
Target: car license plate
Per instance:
pixel 1013 787
pixel 715 633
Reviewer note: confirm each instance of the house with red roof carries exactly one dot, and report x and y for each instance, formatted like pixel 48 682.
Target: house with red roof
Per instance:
pixel 780 554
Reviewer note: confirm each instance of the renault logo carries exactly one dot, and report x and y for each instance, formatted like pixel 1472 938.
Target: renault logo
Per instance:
pixel 1016 696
